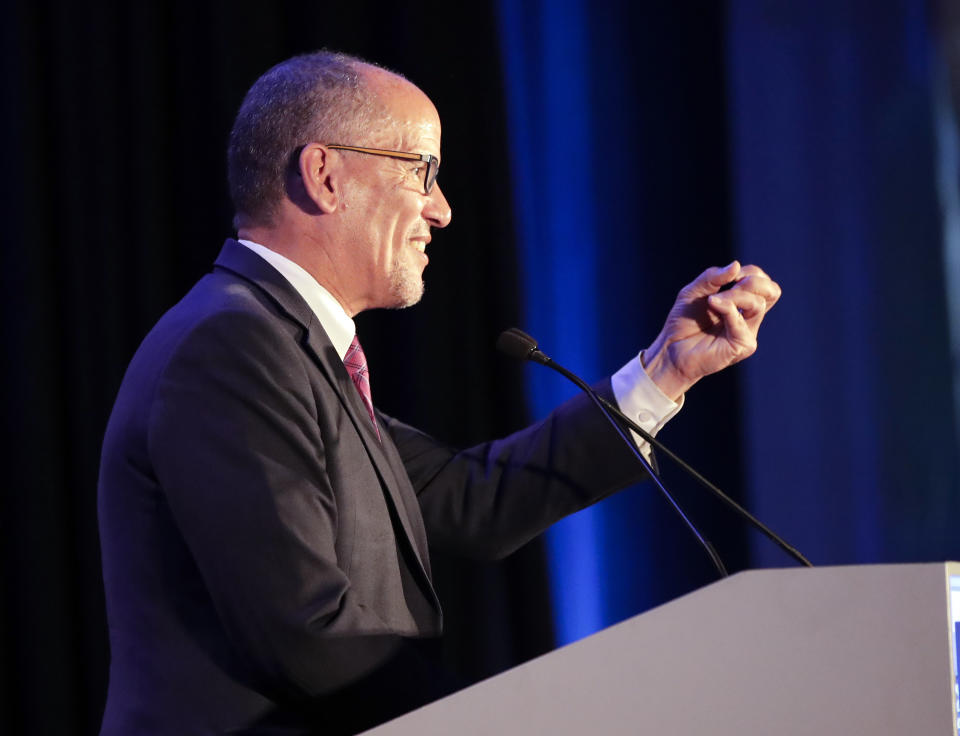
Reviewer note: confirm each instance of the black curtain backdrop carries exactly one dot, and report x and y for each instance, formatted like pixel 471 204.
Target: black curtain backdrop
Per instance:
pixel 115 118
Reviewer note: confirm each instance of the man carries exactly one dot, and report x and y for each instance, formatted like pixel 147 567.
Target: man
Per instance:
pixel 264 528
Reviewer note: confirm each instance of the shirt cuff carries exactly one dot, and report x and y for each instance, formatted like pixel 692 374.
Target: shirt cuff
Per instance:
pixel 642 400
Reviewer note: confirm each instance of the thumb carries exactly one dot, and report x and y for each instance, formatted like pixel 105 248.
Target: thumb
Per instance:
pixel 710 281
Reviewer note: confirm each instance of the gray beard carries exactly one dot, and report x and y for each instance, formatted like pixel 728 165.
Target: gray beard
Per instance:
pixel 406 286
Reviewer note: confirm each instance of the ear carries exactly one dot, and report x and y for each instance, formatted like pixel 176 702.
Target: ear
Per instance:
pixel 320 171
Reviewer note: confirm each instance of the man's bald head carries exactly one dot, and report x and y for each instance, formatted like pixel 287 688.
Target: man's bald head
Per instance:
pixel 324 96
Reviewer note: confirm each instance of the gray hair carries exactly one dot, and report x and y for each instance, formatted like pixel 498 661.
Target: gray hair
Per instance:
pixel 320 97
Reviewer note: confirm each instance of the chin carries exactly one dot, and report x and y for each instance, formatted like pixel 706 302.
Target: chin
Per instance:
pixel 406 287
pixel 407 298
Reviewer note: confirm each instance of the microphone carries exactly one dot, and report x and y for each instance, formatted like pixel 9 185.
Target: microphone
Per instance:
pixel 518 344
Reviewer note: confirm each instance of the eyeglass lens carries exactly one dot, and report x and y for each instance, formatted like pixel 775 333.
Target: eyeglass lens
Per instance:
pixel 432 169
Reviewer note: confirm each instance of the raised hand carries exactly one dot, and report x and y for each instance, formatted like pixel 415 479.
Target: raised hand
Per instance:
pixel 708 329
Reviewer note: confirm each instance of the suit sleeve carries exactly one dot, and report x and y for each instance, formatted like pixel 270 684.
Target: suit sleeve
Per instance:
pixel 234 441
pixel 489 500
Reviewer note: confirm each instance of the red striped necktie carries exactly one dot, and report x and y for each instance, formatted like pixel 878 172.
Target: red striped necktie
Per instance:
pixel 356 364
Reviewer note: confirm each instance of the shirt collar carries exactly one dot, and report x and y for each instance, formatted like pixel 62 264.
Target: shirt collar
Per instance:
pixel 334 320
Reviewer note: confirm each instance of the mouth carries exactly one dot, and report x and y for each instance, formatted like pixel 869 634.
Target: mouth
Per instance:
pixel 419 244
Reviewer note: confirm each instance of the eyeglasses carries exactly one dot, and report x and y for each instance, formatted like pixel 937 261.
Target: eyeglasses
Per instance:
pixel 431 169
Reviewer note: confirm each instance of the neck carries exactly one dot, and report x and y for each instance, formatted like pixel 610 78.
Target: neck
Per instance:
pixel 315 253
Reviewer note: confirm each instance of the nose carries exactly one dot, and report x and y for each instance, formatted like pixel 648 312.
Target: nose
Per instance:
pixel 437 212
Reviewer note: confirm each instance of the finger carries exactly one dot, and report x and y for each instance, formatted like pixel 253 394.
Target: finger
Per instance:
pixel 745 302
pixel 710 281
pixel 741 338
pixel 752 270
pixel 763 286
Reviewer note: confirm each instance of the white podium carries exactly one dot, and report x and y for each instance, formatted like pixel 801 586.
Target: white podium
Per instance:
pixel 800 652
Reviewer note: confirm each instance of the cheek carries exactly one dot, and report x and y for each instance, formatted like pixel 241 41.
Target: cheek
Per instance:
pixel 384 221
pixel 400 225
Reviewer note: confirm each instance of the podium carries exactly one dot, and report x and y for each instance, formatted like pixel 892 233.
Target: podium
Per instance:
pixel 797 652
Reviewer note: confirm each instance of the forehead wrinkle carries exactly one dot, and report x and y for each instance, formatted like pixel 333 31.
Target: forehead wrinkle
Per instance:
pixel 394 133
pixel 421 136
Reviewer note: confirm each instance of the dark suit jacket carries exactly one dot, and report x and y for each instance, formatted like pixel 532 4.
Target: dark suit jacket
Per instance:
pixel 265 557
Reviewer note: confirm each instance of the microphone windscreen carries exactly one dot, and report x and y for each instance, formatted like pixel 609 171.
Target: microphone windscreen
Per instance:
pixel 516 344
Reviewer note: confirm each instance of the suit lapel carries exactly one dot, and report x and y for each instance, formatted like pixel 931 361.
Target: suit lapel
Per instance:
pixel 248 265
pixel 408 499
pixel 397 484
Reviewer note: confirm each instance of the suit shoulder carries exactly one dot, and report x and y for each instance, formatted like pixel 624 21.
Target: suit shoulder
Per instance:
pixel 225 304
pixel 222 319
